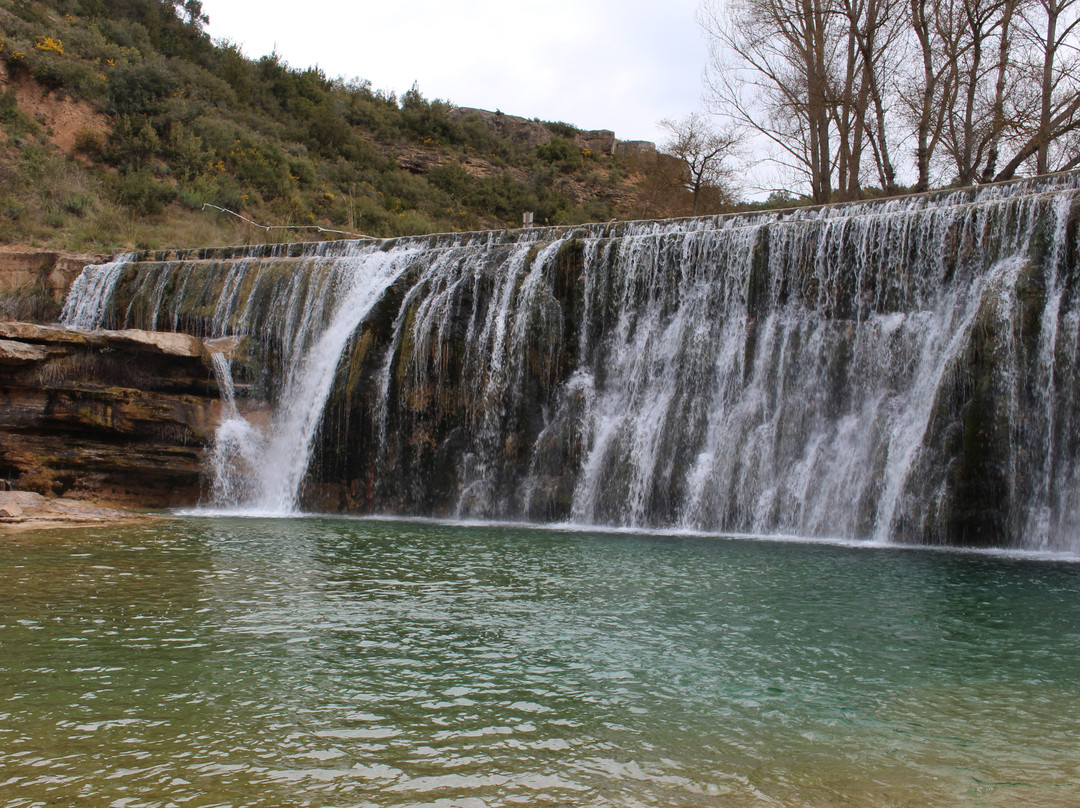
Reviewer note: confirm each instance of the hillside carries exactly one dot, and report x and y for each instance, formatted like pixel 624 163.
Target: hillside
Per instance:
pixel 120 121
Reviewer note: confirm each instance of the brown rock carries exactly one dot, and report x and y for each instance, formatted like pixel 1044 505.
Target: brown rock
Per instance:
pixel 638 148
pixel 32 332
pixel 22 510
pixel 20 353
pixel 51 271
pixel 123 416
pixel 168 343
pixel 418 161
pixel 599 141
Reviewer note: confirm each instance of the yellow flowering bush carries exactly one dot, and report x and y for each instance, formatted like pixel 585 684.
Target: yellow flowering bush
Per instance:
pixel 47 43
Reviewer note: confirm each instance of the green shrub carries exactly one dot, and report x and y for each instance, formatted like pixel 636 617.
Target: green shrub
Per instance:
pixel 186 154
pixel 89 142
pixel 78 204
pixel 261 167
pixel 134 142
pixel 410 223
pixel 9 107
pixel 302 170
pixel 81 78
pixel 561 152
pixel 563 130
pixel 13 211
pixel 138 190
pixel 140 89
pixel 451 178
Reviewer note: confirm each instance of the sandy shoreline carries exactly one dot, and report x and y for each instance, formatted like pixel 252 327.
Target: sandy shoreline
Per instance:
pixel 23 510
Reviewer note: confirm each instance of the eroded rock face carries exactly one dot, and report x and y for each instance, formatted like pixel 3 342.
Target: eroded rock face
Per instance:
pixel 122 416
pixel 532 133
pixel 33 281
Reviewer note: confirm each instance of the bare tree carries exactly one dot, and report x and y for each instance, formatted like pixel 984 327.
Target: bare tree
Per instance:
pixel 1059 76
pixel 814 77
pixel 770 66
pixel 1051 33
pixel 980 89
pixel 974 125
pixel 932 88
pixel 873 33
pixel 702 149
pixel 1005 69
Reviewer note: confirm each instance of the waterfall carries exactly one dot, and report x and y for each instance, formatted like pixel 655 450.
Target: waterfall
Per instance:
pixel 891 371
pixel 90 294
pixel 238 446
pixel 289 444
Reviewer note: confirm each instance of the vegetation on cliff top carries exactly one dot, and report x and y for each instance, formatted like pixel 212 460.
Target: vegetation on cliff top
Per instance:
pixel 121 119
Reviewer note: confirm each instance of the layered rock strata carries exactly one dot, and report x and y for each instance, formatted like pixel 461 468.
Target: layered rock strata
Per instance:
pixel 117 416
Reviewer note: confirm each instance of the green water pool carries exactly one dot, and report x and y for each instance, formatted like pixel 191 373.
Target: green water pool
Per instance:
pixel 328 662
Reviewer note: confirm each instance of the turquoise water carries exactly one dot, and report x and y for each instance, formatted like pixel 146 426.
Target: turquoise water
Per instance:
pixel 374 663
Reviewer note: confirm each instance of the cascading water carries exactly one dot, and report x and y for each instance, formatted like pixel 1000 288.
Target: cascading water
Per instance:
pixel 901 370
pixel 238 446
pixel 91 293
pixel 358 285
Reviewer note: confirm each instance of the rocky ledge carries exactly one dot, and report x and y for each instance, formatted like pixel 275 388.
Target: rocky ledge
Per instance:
pixel 26 510
pixel 109 416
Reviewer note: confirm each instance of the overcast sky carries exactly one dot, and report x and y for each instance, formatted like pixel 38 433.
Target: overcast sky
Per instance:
pixel 598 64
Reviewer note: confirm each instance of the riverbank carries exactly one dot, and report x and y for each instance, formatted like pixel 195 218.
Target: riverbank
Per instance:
pixel 25 510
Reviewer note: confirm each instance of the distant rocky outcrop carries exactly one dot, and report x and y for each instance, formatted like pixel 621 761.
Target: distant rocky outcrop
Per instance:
pixel 115 416
pixel 533 133
pixel 638 148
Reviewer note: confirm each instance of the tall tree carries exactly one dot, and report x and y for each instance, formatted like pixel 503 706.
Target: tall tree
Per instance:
pixel 933 85
pixel 1005 68
pixel 974 124
pixel 873 32
pixel 770 66
pixel 981 89
pixel 1051 34
pixel 1055 73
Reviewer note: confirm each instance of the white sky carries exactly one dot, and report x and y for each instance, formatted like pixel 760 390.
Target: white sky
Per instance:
pixel 597 64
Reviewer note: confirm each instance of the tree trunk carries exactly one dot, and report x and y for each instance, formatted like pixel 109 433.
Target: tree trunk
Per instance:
pixel 997 115
pixel 1042 156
